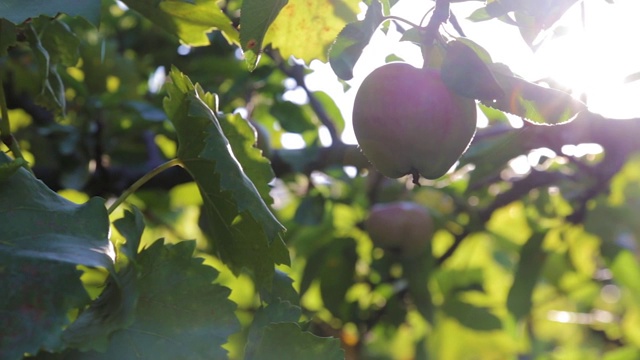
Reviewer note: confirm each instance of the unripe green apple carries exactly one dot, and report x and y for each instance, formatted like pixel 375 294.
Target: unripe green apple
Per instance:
pixel 408 122
pixel 402 225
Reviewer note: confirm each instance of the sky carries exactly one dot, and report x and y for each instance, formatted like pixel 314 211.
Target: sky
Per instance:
pixel 593 57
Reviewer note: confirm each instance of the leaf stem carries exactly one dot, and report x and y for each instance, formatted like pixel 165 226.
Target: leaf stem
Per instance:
pixel 397 18
pixel 5 129
pixel 143 180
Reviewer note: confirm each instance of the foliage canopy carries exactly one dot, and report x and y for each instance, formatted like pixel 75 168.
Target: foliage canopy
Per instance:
pixel 162 222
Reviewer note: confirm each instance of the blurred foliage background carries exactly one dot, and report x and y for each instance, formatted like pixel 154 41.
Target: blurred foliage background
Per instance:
pixel 534 264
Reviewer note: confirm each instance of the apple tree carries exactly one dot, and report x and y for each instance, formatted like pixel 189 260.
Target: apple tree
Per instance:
pixel 153 204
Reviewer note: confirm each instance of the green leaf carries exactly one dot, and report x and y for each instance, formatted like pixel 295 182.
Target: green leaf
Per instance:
pixel 311 210
pixel 467 74
pixel 256 17
pixel 59 40
pixel 292 117
pixel 473 317
pixel 7 36
pixel 180 313
pixel 114 308
pixel 131 227
pixel 18 11
pixel 337 275
pixel 188 20
pixel 532 256
pixel 348 46
pixel 536 103
pixel 320 21
pixel 281 290
pixel 332 110
pixel 288 341
pixel 51 93
pixel 242 138
pixel 276 312
pixel 9 168
pixel 245 232
pixel 44 238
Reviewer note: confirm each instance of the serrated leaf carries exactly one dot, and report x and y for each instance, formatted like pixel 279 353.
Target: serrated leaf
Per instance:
pixel 281 290
pixel 180 313
pixel 288 341
pixel 242 139
pixel 351 41
pixel 532 256
pixel 276 312
pixel 245 232
pixel 114 308
pixel 319 21
pixel 131 227
pixel 255 19
pixel 189 21
pixel 473 317
pixel 43 239
pixel 18 11
pixel 111 311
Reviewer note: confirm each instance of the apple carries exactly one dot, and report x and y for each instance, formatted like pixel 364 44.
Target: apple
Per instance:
pixel 404 226
pixel 407 121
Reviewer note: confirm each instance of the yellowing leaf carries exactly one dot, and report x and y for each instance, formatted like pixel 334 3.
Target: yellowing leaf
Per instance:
pixel 306 28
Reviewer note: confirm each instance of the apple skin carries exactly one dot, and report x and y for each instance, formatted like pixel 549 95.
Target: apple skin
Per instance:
pixel 402 225
pixel 407 121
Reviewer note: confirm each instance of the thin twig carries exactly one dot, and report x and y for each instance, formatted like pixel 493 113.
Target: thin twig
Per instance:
pixel 296 72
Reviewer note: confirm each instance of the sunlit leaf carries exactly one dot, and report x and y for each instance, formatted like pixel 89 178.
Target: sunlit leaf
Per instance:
pixel 533 102
pixel 331 108
pixel 348 46
pixel 43 239
pixel 114 308
pixel 532 256
pixel 471 316
pixel 245 232
pixel 257 16
pixel 242 138
pixel 320 21
pixel 192 320
pixel 190 21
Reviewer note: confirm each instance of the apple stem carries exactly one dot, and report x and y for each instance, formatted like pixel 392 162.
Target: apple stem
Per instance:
pixel 416 176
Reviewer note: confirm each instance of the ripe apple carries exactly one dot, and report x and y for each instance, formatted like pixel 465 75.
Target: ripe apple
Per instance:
pixel 404 226
pixel 407 121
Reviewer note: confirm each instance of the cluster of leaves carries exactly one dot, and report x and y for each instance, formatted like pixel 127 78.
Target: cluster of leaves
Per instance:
pixel 537 263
